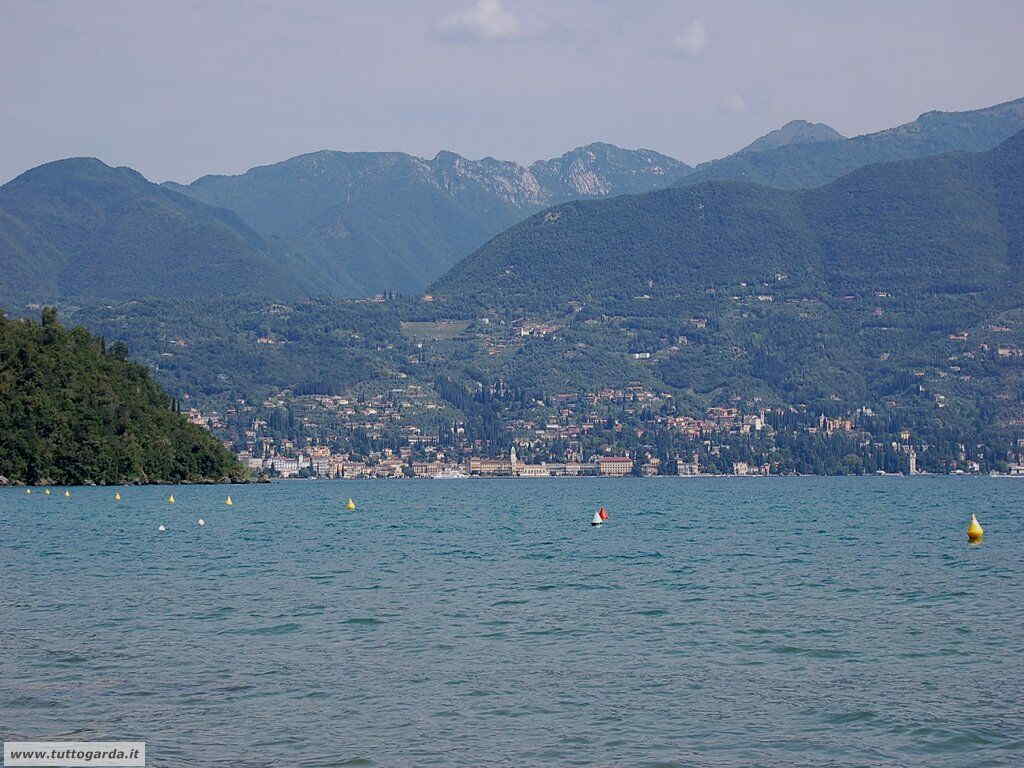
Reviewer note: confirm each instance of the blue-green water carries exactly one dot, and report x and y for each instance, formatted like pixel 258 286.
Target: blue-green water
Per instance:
pixel 731 622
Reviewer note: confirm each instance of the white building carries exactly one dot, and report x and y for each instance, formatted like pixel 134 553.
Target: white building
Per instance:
pixel 284 466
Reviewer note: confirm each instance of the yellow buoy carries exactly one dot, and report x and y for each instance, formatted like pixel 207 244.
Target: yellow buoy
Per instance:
pixel 351 505
pixel 228 501
pixel 170 499
pixel 28 490
pixel 117 495
pixel 974 530
pixel 47 491
pixel 67 493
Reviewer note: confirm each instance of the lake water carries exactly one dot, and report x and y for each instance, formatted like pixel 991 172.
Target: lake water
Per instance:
pixel 711 622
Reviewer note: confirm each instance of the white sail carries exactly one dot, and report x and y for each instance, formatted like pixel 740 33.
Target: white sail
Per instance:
pixel 597 519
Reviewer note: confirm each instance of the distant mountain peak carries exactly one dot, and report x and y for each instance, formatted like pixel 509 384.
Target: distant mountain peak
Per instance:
pixel 80 168
pixel 596 146
pixel 604 150
pixel 447 156
pixel 600 169
pixel 91 163
pixel 794 132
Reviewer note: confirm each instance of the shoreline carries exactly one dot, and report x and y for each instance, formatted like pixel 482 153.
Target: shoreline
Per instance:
pixel 5 483
pixel 645 477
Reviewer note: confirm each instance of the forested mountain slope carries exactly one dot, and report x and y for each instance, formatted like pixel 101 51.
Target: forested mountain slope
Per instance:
pixel 78 230
pixel 733 289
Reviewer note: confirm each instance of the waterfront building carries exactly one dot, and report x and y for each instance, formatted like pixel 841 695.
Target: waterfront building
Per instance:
pixel 614 466
pixel 688 468
pixel 533 470
pixel 489 467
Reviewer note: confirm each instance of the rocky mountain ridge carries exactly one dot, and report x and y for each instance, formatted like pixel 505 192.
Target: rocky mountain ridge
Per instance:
pixel 376 221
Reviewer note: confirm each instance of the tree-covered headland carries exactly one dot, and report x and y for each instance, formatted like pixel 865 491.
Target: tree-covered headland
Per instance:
pixel 73 412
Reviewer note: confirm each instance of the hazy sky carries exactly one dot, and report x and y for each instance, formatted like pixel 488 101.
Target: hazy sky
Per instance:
pixel 179 89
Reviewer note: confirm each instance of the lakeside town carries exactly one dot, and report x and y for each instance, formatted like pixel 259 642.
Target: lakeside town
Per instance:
pixel 411 431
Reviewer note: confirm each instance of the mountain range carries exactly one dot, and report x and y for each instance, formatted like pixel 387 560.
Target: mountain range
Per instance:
pixel 370 222
pixel 897 287
pixel 945 224
pixel 810 156
pixel 354 224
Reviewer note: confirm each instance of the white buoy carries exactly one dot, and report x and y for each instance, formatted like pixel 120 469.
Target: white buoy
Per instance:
pixel 162 528
pixel 201 521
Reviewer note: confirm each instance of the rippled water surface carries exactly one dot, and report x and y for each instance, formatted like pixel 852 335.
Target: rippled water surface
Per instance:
pixel 710 622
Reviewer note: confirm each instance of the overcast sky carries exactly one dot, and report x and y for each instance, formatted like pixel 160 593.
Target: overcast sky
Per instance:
pixel 180 89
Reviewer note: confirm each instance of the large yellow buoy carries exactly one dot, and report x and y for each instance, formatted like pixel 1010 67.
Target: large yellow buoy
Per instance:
pixel 974 530
pixel 351 505
pixel 117 495
pixel 170 499
pixel 228 501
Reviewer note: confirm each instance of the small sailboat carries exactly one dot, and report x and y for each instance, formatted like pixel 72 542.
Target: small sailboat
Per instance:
pixel 47 491
pixel 162 528
pixel 68 494
pixel 28 490
pixel 599 517
pixel 974 531
pixel 170 499
pixel 117 495
pixel 201 522
pixel 228 501
pixel 351 505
